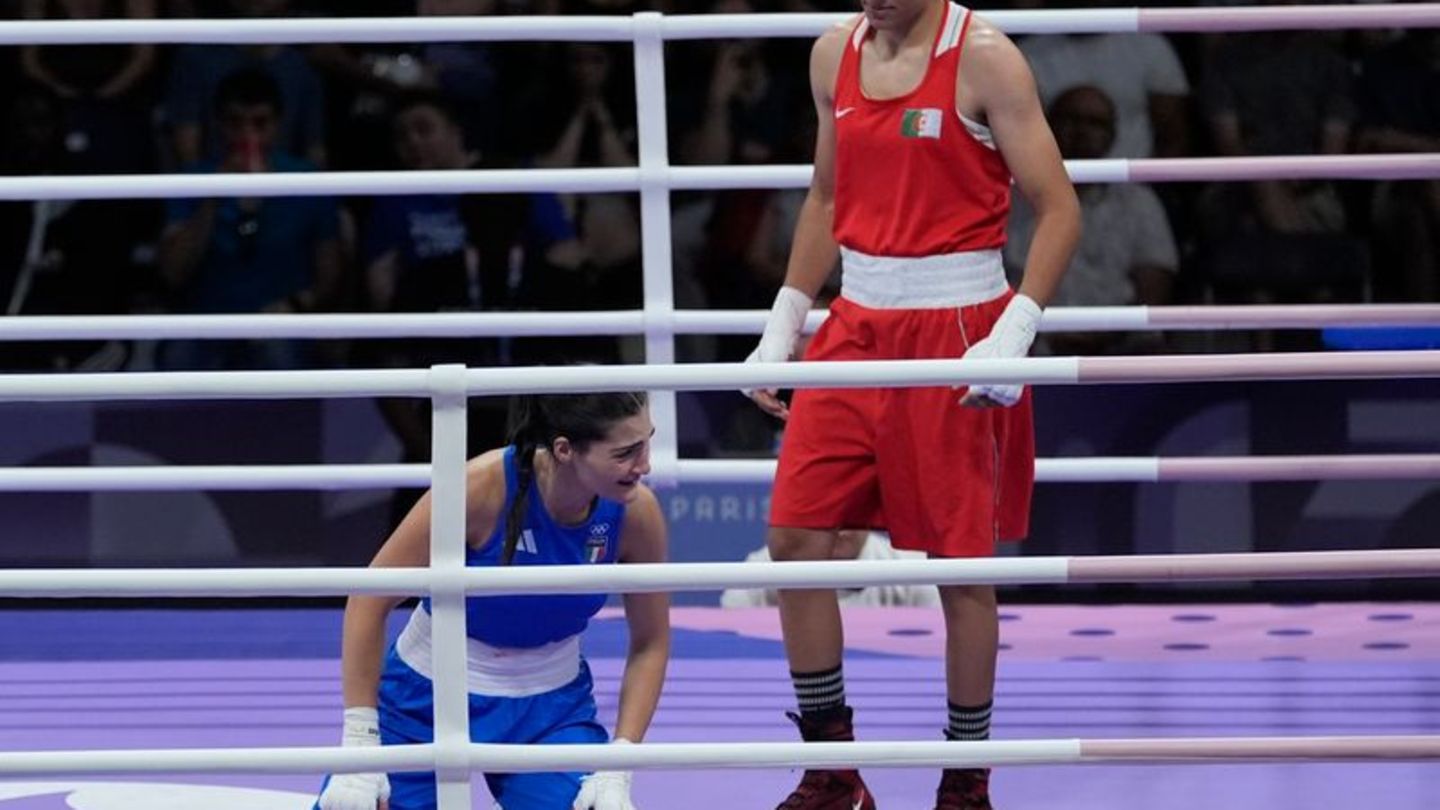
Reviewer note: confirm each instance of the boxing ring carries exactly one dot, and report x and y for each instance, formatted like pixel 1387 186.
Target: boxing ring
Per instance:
pixel 1247 718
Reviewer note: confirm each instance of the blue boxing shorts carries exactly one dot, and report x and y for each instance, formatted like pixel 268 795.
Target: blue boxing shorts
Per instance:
pixel 558 717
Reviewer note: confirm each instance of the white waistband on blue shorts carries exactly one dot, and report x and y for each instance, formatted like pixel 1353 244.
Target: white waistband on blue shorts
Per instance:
pixel 495 671
pixel 922 282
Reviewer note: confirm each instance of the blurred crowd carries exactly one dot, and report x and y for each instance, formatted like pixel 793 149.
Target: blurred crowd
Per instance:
pixel 114 109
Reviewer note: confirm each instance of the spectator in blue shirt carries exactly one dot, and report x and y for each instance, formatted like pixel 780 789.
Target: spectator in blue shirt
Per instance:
pixel 250 255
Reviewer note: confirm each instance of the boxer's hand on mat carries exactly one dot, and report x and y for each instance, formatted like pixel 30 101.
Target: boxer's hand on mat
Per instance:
pixel 777 344
pixel 605 790
pixel 358 791
pixel 1011 337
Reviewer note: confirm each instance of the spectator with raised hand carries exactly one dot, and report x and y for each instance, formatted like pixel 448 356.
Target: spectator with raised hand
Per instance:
pixel 588 120
pixel 250 255
pixel 195 78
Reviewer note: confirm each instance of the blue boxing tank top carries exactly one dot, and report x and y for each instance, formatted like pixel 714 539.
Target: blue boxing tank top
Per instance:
pixel 532 621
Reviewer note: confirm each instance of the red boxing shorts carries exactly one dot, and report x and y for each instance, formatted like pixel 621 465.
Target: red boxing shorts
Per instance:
pixel 939 477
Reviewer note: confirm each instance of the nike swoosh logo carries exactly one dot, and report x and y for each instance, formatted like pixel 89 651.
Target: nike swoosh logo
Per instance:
pixel 841 113
pixel 860 802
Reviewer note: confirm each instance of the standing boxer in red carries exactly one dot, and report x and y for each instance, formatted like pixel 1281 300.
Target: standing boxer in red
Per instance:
pixel 927 113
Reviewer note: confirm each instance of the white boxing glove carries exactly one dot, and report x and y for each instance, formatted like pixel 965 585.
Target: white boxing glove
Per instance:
pixel 605 790
pixel 357 791
pixel 782 329
pixel 1012 336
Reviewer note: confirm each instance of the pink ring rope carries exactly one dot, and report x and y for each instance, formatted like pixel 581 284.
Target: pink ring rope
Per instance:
pixel 1218 367
pixel 1270 18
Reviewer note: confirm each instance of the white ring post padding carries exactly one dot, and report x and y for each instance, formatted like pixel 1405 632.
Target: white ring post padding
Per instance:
pixel 592 180
pixel 450 707
pixel 685 321
pixel 656 265
pixel 659 756
pixel 685 577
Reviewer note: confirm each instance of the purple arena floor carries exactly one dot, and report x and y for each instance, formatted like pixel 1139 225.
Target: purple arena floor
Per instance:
pixel 175 679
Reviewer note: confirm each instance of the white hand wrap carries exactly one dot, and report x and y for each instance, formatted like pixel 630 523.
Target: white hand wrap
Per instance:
pixel 1011 338
pixel 357 791
pixel 605 790
pixel 782 329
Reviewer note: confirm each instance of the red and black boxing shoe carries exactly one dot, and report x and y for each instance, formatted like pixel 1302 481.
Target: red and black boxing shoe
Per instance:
pixel 828 790
pixel 964 789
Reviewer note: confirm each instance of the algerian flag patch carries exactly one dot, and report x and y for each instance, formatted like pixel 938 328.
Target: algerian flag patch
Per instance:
pixel 923 123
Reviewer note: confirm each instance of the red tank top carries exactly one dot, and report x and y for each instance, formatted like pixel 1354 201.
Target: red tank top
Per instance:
pixel 910 178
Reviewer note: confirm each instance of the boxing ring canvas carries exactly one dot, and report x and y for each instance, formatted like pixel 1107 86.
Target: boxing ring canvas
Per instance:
pixel 79 679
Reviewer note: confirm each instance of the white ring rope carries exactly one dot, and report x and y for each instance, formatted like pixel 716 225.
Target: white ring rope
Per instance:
pixel 693 26
pixel 249 477
pixel 333 477
pixel 719 376
pixel 1112 469
pixel 514 181
pixel 682 322
pixel 678 577
pixel 656 756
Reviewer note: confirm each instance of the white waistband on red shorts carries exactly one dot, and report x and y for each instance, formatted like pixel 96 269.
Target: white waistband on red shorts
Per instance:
pixel 495 671
pixel 922 282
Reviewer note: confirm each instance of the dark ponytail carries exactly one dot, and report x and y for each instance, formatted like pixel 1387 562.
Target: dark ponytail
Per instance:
pixel 537 420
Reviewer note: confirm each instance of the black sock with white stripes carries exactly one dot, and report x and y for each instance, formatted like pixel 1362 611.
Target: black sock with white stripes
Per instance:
pixel 969 722
pixel 819 692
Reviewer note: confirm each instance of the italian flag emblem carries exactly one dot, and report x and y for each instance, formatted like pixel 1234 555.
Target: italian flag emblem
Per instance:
pixel 595 548
pixel 923 123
